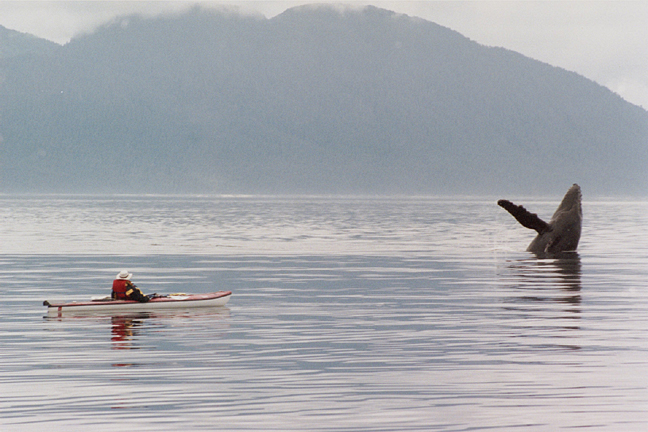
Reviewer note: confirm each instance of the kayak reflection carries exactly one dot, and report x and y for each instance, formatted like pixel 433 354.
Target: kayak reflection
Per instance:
pixel 145 329
pixel 123 330
pixel 149 330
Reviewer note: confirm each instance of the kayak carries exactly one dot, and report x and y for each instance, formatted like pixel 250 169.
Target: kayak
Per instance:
pixel 172 301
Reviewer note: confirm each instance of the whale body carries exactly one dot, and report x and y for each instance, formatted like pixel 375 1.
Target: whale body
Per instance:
pixel 561 233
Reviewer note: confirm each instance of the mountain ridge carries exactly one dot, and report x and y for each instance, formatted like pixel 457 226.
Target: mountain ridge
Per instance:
pixel 314 100
pixel 16 44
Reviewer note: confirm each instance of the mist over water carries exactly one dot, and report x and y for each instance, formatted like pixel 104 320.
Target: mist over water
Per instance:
pixel 347 314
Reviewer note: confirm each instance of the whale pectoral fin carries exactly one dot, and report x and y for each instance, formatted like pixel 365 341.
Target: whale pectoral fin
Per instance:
pixel 525 217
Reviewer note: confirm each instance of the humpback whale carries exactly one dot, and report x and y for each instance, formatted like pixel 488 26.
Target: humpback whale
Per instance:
pixel 561 233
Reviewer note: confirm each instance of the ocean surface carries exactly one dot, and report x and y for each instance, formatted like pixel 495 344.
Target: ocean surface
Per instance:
pixel 347 314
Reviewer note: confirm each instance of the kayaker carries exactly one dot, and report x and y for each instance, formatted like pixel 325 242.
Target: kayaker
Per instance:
pixel 124 289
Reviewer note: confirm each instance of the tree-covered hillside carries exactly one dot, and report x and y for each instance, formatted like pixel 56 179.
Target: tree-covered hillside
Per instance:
pixel 315 100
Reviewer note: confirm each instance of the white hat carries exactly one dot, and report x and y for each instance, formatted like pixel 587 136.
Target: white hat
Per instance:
pixel 124 275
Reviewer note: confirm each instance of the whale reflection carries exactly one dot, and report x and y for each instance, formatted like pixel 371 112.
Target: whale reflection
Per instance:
pixel 546 289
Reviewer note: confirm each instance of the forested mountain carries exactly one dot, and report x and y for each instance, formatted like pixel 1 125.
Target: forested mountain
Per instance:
pixel 16 44
pixel 315 100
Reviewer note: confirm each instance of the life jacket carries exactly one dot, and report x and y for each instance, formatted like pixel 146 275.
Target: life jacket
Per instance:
pixel 122 289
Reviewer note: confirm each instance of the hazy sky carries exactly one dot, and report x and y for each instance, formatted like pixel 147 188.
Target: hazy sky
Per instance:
pixel 606 41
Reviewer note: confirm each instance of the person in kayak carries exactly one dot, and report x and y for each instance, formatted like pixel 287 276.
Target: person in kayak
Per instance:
pixel 124 289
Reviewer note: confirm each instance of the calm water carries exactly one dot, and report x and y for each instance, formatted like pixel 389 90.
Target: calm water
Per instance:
pixel 378 314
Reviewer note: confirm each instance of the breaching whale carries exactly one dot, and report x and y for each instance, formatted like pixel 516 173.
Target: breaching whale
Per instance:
pixel 563 231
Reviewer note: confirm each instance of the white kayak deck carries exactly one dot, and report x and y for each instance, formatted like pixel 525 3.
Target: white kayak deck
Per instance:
pixel 176 301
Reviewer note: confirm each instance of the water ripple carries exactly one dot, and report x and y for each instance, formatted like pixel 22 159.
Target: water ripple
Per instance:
pixel 347 315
